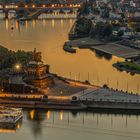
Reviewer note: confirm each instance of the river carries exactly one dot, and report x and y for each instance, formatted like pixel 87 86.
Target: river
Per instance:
pixel 48 36
pixel 66 125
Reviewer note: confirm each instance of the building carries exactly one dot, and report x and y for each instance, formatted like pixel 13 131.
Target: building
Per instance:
pixel 37 73
pixel 35 77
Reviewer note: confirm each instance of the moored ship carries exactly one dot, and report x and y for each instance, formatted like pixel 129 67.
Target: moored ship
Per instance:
pixel 10 115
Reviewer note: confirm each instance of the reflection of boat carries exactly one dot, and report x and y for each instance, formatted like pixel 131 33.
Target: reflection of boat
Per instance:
pixel 8 128
pixel 11 14
pixel 12 27
pixel 10 115
pixel 21 20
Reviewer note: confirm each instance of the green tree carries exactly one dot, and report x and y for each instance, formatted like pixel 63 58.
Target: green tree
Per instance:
pixel 8 57
pixel 101 30
pixel 83 26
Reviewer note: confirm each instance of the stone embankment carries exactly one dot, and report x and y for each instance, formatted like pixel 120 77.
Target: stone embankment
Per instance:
pixel 91 98
pixel 67 47
pixel 110 48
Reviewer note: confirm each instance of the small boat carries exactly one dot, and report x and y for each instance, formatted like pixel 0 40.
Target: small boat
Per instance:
pixel 12 27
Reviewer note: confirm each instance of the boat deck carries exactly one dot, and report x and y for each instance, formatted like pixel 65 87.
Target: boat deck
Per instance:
pixel 10 115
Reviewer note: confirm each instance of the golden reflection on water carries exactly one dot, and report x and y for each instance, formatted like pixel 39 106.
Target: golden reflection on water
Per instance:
pixel 17 25
pixel 18 125
pixel 26 24
pixel 108 121
pixel 53 23
pixel 61 115
pixel 48 114
pixel 33 23
pixel 7 24
pixel 62 22
pixel 32 114
pixel 7 131
pixel 44 23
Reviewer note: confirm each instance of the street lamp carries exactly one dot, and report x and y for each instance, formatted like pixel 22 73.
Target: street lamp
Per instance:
pixel 17 67
pixel 61 94
pixel 26 6
pixel 33 6
pixel 43 5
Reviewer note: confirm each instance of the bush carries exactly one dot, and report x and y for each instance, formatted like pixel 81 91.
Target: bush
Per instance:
pixel 8 57
pixel 83 26
pixel 101 30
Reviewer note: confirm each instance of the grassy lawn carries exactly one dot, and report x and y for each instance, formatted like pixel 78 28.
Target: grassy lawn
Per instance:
pixel 129 65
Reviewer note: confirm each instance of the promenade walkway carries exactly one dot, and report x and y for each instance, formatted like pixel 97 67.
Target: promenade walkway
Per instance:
pixel 110 95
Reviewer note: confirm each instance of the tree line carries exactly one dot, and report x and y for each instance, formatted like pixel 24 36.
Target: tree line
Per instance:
pixel 8 57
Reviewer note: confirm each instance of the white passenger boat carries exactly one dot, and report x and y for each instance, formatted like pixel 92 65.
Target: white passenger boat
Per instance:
pixel 10 115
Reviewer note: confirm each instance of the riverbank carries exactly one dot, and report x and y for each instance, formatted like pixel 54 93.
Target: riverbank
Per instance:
pixel 110 48
pixel 70 94
pixel 111 99
pixel 42 105
pixel 91 97
pixel 83 105
pixel 84 34
pixel 68 48
pixel 127 66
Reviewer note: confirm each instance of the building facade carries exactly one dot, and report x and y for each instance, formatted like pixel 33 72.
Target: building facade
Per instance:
pixel 37 73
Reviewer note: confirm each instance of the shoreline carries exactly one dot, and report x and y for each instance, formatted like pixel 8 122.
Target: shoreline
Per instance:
pixel 42 105
pixel 110 48
pixel 73 106
pixel 89 99
pixel 125 69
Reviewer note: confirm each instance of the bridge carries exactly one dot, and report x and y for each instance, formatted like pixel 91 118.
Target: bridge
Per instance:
pixel 42 9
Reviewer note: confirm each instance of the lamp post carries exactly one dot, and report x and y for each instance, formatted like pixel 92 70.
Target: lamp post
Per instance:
pixel 17 66
pixel 61 95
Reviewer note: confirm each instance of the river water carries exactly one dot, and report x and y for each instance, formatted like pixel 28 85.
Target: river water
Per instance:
pixel 48 36
pixel 66 125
